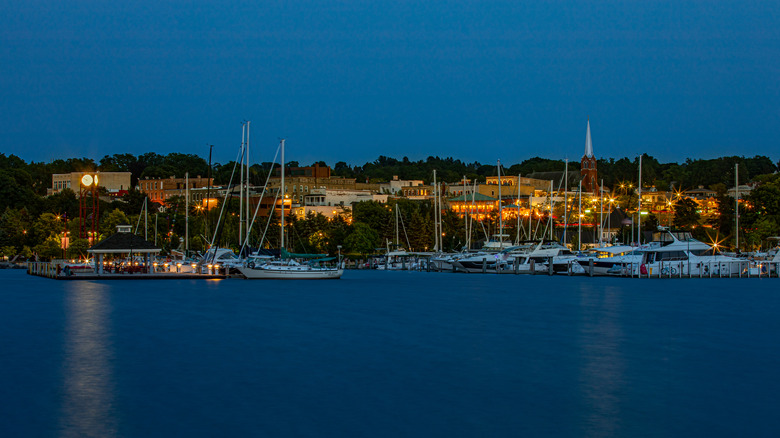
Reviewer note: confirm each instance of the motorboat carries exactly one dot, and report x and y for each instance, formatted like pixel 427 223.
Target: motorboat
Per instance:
pixel 609 260
pixel 679 254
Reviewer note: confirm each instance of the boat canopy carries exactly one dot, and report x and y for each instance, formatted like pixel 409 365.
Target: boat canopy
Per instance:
pixel 325 259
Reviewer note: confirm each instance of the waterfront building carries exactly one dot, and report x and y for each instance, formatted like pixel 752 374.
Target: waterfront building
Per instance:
pixel 510 186
pixel 161 189
pixel 476 205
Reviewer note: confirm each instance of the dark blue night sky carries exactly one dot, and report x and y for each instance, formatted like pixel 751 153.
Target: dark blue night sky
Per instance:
pixel 352 80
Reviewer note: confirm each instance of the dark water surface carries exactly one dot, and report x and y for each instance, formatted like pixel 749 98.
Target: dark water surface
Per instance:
pixel 389 354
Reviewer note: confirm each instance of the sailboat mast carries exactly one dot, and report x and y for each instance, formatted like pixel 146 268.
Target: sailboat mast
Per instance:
pixel 186 213
pixel 639 206
pixel 601 215
pixel 397 236
pixel 473 208
pixel 246 216
pixel 208 196
pixel 281 244
pixel 517 239
pixel 500 210
pixel 736 201
pixel 465 212
pixel 530 217
pixel 441 223
pixel 551 211
pixel 565 199
pixel 436 233
pixel 579 220
pixel 241 185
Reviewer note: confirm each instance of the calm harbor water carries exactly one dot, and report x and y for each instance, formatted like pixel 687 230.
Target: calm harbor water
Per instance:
pixel 390 354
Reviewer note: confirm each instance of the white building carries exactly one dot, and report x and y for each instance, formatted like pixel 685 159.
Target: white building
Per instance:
pixel 335 202
pixel 397 185
pixel 340 198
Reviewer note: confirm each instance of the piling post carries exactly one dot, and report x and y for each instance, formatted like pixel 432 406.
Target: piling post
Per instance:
pixel 550 266
pixel 590 267
pixel 484 265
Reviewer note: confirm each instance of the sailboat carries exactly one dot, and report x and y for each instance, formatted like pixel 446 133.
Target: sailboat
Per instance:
pixel 289 266
pixel 396 258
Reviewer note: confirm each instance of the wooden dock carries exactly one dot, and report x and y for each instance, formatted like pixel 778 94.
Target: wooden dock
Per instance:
pixel 51 270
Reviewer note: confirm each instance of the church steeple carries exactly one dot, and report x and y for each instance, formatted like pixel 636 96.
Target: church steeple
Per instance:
pixel 588 143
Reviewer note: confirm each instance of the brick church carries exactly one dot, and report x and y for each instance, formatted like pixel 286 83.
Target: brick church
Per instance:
pixel 588 173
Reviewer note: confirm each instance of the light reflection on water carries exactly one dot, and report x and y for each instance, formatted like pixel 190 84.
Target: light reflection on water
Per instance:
pixel 88 382
pixel 603 368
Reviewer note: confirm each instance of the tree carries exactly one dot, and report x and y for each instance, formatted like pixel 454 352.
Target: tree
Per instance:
pixel 374 214
pixel 78 248
pixel 14 227
pixel 47 225
pixel 650 223
pixel 420 232
pixel 111 220
pixel 7 251
pixel 362 240
pixel 685 213
pixel 49 248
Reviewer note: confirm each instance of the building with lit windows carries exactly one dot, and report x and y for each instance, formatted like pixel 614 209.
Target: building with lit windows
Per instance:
pixel 115 183
pixel 161 189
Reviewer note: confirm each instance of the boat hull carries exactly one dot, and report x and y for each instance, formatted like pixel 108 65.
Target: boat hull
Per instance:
pixel 260 273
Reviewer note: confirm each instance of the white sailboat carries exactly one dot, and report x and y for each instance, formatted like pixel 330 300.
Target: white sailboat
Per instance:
pixel 288 266
pixel 396 257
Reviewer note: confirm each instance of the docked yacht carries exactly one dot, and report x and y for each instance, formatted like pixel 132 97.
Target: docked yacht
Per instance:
pixel 609 260
pixel 494 255
pixel 679 254
pixel 220 259
pixel 396 260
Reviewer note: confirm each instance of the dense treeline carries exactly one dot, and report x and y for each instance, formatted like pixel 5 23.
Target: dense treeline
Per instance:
pixel 32 223
pixel 663 176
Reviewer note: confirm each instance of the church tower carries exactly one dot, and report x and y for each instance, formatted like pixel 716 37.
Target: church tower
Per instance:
pixel 588 166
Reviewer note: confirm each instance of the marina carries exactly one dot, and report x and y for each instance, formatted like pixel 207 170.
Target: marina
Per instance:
pixel 178 179
pixel 390 353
